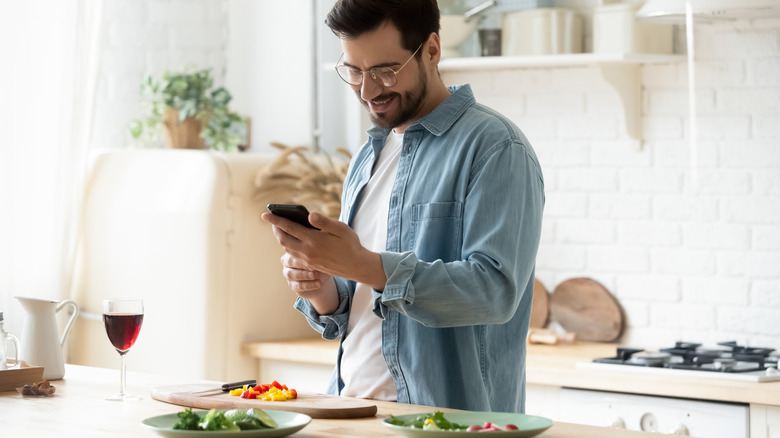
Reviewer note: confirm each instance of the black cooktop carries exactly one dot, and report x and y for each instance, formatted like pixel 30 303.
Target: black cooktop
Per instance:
pixel 730 357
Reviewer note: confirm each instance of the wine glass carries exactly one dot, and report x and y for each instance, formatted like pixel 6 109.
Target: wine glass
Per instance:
pixel 123 319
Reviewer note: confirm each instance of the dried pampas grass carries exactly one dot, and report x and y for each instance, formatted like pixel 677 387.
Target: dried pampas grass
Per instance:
pixel 300 176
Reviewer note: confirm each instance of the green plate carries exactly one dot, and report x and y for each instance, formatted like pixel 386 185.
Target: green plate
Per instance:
pixel 527 425
pixel 289 423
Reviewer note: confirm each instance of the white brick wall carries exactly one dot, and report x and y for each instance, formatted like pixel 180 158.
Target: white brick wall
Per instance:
pixel 697 262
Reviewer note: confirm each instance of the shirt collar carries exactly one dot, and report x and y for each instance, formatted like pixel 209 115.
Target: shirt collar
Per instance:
pixel 442 117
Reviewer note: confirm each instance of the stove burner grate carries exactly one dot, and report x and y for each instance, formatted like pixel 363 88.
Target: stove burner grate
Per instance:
pixel 689 356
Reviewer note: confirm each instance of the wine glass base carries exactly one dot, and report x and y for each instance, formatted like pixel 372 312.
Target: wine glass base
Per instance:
pixel 124 397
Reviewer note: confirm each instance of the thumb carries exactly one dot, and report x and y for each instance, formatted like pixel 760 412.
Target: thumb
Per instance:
pixel 324 223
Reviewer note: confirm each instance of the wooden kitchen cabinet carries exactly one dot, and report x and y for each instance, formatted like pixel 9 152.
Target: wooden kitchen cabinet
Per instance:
pixel 764 421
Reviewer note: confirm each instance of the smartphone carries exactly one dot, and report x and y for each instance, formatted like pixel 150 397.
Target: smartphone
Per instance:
pixel 295 212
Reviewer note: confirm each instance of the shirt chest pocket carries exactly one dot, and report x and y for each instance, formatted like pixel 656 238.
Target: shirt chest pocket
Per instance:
pixel 437 231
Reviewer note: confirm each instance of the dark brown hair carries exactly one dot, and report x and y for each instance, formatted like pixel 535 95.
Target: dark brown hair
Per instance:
pixel 415 19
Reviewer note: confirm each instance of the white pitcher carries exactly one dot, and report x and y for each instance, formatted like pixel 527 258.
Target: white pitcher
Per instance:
pixel 42 342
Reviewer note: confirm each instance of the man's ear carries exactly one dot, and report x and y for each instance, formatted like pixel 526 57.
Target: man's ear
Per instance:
pixel 432 49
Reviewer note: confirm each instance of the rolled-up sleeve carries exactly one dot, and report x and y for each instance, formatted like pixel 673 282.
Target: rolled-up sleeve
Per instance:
pixel 331 326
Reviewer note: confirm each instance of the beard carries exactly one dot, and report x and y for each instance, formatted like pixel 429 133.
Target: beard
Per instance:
pixel 411 103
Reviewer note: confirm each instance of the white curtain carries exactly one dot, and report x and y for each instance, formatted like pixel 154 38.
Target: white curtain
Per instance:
pixel 49 65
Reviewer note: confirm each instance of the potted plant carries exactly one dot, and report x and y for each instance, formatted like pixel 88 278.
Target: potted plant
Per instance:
pixel 189 112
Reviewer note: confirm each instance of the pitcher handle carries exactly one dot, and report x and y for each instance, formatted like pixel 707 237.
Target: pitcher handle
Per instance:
pixel 73 317
pixel 18 356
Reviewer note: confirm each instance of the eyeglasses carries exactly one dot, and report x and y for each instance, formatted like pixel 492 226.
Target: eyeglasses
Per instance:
pixel 384 76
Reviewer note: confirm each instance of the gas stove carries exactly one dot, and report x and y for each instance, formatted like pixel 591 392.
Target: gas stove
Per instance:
pixel 729 361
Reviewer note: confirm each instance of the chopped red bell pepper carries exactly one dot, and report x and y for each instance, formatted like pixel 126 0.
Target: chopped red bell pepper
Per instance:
pixel 258 391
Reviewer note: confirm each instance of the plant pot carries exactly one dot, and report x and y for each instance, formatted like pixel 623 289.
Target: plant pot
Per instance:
pixel 185 134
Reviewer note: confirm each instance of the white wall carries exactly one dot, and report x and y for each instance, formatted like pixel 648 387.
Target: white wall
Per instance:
pixel 149 37
pixel 260 50
pixel 270 69
pixel 686 264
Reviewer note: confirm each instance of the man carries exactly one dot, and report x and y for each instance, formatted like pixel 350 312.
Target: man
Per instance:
pixel 428 277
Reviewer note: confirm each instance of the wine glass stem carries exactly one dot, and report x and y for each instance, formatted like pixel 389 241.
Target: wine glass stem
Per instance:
pixel 123 380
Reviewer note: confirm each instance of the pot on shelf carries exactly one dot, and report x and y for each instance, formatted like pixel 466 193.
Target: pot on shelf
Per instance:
pixel 184 134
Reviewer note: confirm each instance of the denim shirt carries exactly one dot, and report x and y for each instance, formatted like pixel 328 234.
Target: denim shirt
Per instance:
pixel 463 230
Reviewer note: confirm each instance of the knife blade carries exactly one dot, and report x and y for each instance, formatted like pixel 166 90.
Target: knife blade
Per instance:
pixel 224 388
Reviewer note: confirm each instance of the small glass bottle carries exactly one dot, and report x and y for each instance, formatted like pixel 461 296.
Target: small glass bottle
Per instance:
pixel 4 338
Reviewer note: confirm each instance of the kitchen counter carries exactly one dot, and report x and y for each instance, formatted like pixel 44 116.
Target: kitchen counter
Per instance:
pixel 555 365
pixel 79 407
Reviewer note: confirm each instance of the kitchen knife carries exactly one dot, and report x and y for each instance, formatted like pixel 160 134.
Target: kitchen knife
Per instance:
pixel 224 388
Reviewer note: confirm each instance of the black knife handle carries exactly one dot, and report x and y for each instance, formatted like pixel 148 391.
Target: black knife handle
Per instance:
pixel 236 385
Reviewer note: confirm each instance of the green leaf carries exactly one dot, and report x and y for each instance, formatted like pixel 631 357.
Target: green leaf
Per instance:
pixel 186 109
pixel 188 420
pixel 419 421
pixel 216 420
pixel 247 419
pixel 220 97
pixel 136 128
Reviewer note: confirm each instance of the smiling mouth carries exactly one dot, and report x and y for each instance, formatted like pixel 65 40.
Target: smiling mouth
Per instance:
pixel 380 103
pixel 381 100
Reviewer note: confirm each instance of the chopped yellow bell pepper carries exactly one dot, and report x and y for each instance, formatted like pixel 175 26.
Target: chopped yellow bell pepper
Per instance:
pixel 272 392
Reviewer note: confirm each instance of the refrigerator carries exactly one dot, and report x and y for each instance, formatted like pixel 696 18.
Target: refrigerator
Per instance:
pixel 181 230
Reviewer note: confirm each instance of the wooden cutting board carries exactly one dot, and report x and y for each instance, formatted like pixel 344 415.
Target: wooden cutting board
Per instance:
pixel 540 309
pixel 584 306
pixel 313 405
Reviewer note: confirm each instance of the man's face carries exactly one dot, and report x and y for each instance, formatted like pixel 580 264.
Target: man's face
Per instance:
pixel 393 109
pixel 388 107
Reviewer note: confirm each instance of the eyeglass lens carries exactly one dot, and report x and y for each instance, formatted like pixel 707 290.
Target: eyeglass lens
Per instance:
pixel 382 75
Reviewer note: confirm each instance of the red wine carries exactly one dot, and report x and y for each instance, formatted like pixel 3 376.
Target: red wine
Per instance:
pixel 123 329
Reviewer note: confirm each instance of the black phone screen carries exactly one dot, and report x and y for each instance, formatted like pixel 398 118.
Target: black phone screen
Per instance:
pixel 295 212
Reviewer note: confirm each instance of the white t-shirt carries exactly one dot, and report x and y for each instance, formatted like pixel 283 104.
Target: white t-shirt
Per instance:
pixel 363 368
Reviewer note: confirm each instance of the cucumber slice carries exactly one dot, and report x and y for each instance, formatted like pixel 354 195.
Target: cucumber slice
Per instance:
pixel 264 418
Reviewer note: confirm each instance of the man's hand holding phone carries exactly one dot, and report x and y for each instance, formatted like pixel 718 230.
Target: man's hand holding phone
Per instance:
pixel 315 286
pixel 334 250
